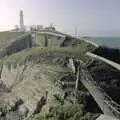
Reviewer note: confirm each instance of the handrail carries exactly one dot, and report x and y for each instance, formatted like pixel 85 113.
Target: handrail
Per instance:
pixel 109 62
pixel 115 107
pixel 112 105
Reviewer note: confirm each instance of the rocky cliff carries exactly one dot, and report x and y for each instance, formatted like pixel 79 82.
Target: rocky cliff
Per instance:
pixel 31 83
pixel 36 80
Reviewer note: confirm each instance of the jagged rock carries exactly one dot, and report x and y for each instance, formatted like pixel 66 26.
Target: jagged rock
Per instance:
pixel 31 87
pixel 23 110
pixel 39 105
pixel 32 80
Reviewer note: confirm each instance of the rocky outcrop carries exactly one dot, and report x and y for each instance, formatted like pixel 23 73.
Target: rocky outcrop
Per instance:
pixel 30 88
pixel 30 80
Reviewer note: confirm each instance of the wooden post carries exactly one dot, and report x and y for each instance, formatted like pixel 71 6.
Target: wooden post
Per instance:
pixel 77 79
pixel 77 75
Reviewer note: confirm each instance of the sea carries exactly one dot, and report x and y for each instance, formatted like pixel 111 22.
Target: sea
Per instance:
pixel 113 42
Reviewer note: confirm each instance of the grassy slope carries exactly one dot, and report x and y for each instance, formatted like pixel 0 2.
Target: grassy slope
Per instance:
pixel 39 54
pixel 35 54
pixel 67 112
pixel 8 37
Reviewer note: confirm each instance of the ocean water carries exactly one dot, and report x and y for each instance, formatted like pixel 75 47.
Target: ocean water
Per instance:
pixel 113 42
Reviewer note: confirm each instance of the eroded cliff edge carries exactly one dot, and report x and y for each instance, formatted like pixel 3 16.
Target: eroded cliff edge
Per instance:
pixel 30 84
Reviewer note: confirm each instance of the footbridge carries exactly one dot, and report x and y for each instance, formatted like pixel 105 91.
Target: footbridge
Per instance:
pixel 108 106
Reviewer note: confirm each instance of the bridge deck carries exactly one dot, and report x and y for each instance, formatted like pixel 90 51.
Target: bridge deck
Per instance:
pixel 96 93
pixel 107 105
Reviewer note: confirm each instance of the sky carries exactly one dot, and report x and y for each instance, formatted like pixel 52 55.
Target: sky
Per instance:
pixel 88 17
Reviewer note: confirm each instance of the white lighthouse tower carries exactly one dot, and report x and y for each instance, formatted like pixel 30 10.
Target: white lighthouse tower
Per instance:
pixel 22 28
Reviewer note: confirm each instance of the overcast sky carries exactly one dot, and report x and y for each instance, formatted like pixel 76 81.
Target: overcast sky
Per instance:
pixel 91 17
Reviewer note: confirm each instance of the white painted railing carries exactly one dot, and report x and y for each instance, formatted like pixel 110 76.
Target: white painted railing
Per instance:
pixel 113 64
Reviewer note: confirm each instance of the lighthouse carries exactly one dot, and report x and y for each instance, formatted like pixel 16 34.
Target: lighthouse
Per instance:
pixel 21 21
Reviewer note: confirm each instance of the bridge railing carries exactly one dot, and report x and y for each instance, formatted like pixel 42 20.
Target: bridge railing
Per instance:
pixel 112 104
pixel 115 107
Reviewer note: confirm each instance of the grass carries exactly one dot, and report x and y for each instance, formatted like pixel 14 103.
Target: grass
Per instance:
pixel 67 112
pixel 8 37
pixel 47 55
pixel 37 54
pixel 23 42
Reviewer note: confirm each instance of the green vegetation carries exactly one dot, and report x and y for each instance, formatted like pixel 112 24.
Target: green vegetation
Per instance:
pixel 21 43
pixel 57 50
pixel 39 54
pixel 7 37
pixel 67 112
pixel 11 43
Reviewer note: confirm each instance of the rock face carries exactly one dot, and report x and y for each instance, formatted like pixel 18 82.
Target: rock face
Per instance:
pixel 29 87
pixel 37 79
pixel 21 43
